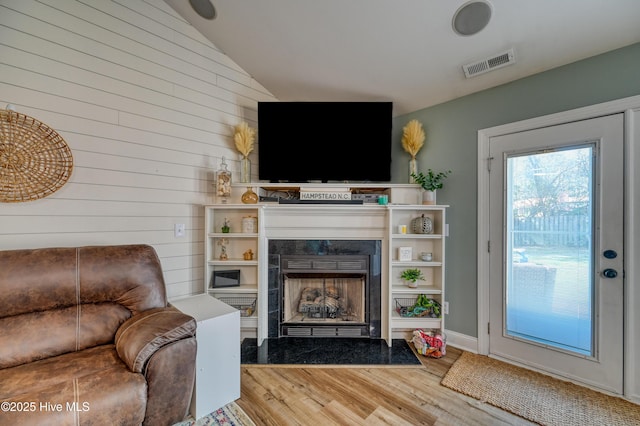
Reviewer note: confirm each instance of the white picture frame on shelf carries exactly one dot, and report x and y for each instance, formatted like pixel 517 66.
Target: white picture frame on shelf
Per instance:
pixel 405 254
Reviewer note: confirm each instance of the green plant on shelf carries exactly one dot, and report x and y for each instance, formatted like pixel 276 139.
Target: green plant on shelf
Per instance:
pixel 412 275
pixel 432 180
pixel 425 304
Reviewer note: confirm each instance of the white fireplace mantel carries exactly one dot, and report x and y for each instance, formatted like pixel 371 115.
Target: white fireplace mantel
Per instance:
pixel 325 222
pixel 318 222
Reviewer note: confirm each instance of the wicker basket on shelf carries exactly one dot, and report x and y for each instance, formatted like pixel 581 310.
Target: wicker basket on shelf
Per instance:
pixel 246 305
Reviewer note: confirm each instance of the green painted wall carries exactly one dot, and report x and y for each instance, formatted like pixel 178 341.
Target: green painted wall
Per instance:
pixel 451 129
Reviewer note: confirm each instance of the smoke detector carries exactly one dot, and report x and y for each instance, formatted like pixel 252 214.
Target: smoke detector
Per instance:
pixel 489 64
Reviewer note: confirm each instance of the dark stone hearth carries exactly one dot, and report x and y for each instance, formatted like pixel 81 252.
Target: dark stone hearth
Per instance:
pixel 328 350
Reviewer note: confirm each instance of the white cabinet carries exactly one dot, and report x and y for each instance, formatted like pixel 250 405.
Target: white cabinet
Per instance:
pixel 406 249
pixel 231 253
pixel 218 357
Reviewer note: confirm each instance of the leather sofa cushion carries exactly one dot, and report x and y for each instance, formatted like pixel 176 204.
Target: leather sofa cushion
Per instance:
pixel 54 332
pixel 93 383
pixel 35 280
pixel 142 335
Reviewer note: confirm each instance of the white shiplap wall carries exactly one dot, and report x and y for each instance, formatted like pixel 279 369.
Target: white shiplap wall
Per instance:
pixel 147 106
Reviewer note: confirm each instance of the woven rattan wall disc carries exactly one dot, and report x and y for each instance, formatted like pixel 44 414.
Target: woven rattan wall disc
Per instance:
pixel 35 161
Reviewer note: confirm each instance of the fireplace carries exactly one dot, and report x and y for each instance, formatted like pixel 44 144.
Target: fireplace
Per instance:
pixel 324 288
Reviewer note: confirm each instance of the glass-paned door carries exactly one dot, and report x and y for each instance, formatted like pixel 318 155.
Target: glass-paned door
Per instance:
pixel 556 250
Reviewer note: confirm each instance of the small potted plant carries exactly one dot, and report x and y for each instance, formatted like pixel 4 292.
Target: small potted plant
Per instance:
pixel 411 276
pixel 225 226
pixel 430 182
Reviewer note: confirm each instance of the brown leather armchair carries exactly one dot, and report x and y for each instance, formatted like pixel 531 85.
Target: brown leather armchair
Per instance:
pixel 87 337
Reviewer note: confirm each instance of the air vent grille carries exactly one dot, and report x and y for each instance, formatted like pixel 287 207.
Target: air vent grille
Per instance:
pixel 497 61
pixel 319 331
pixel 350 332
pixel 319 264
pixel 299 331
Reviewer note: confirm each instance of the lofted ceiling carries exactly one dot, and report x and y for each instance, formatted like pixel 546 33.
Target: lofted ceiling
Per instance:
pixel 404 51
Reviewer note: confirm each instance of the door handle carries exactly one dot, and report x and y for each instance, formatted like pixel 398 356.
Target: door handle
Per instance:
pixel 610 254
pixel 610 273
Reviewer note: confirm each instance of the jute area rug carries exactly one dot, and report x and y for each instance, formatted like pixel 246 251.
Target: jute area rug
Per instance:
pixel 229 415
pixel 537 397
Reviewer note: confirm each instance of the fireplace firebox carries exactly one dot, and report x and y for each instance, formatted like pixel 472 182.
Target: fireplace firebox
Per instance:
pixel 324 288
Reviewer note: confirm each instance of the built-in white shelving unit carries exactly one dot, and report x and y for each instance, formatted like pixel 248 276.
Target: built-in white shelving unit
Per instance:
pixel 236 243
pixel 320 221
pixel 433 270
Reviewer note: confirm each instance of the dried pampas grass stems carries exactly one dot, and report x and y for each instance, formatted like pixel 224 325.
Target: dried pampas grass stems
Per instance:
pixel 413 137
pixel 243 138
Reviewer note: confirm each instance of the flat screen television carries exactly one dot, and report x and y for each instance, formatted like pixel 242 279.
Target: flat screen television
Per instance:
pixel 324 141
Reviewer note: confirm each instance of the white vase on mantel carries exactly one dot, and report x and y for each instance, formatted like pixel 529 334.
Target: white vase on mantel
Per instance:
pixel 429 198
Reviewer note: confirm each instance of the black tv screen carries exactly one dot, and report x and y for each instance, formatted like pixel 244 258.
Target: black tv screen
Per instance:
pixel 324 141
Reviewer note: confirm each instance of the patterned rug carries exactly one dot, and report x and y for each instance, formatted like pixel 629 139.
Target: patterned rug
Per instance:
pixel 537 397
pixel 229 415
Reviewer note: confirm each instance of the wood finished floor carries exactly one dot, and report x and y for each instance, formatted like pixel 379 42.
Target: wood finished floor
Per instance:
pixel 362 395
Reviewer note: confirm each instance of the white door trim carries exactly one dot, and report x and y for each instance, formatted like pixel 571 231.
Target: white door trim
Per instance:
pixel 632 255
pixel 632 181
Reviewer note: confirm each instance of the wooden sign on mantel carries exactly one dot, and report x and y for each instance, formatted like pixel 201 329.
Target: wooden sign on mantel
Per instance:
pixel 325 194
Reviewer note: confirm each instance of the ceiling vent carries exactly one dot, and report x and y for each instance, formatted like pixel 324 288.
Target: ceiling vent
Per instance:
pixel 494 62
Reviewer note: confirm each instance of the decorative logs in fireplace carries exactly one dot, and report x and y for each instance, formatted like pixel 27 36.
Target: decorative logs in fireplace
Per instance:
pixel 320 303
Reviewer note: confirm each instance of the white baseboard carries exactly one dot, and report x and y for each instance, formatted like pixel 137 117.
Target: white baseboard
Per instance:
pixel 462 341
pixel 248 333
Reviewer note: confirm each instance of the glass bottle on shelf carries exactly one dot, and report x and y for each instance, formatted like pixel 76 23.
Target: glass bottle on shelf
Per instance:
pixel 245 170
pixel 413 169
pixel 223 183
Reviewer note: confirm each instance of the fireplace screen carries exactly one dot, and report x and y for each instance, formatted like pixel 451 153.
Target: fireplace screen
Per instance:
pixel 324 299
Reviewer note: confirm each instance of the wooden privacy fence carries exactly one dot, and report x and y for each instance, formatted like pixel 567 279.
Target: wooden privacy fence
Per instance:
pixel 564 231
